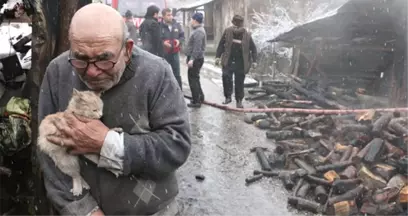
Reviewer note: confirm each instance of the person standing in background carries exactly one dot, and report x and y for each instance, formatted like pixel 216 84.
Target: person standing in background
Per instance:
pixel 173 37
pixel 150 32
pixel 235 49
pixel 131 26
pixel 195 59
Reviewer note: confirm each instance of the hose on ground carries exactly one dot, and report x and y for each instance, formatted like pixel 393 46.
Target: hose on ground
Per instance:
pixel 297 110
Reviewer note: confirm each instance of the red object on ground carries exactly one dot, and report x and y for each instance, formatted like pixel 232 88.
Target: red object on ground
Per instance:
pixel 296 110
pixel 174 48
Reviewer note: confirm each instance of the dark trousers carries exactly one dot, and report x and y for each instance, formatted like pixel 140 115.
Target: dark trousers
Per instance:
pixel 174 60
pixel 194 80
pixel 227 74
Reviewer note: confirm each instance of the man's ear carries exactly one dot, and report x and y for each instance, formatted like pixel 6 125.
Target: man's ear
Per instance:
pixel 129 47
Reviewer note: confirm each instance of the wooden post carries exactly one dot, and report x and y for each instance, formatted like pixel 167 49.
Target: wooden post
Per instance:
pixel 50 31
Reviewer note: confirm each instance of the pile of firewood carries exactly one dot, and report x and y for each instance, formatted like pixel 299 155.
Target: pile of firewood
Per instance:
pixel 299 93
pixel 335 164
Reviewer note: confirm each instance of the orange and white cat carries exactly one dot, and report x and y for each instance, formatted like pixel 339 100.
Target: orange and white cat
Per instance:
pixel 86 104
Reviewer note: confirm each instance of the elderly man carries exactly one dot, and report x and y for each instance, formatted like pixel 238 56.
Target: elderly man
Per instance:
pixel 141 96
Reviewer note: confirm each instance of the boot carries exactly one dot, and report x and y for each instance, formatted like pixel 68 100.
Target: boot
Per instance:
pixel 194 105
pixel 227 100
pixel 239 104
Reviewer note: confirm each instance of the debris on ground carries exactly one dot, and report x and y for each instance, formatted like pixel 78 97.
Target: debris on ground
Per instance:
pixel 333 164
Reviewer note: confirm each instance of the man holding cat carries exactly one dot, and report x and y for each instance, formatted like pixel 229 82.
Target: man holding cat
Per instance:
pixel 141 96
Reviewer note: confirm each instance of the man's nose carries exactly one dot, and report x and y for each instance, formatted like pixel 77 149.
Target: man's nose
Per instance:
pixel 93 71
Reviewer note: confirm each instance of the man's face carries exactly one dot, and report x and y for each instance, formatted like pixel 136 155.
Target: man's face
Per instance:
pixel 106 58
pixel 193 22
pixel 168 17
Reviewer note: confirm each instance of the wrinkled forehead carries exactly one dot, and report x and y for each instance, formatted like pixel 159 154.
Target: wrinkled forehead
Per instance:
pixel 95 47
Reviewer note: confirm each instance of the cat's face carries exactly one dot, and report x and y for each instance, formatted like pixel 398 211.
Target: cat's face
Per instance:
pixel 86 103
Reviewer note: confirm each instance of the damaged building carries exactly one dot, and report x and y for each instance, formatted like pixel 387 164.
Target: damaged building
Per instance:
pixel 358 54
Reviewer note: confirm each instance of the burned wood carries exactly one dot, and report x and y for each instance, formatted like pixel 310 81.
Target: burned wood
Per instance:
pixel 370 180
pixel 331 175
pixel 280 135
pixel 337 167
pixel 397 127
pixel 349 195
pixel 358 158
pixel 385 195
pixel 354 128
pixel 375 151
pixel 300 153
pixel 380 124
pixel 321 195
pixel 304 204
pixel 349 173
pixel 391 149
pixel 271 90
pixel 346 154
pixel 298 186
pixel 287 145
pixel 304 165
pixel 253 179
pixel 345 208
pixel 397 181
pixel 303 190
pixel 354 153
pixel 317 180
pixel 384 170
pixel 263 161
pixel 327 145
pixel 363 152
pixel 321 101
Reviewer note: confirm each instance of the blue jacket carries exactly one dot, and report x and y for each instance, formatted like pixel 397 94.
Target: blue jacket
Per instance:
pixel 176 32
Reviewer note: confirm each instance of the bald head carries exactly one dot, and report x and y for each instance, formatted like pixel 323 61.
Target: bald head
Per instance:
pixel 96 21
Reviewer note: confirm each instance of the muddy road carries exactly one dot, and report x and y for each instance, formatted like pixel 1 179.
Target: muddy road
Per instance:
pixel 221 144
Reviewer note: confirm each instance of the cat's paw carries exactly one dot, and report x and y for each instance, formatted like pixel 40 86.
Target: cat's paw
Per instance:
pixel 117 129
pixel 76 186
pixel 76 191
pixel 85 185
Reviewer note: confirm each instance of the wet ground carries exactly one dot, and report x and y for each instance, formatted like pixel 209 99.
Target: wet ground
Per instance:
pixel 221 144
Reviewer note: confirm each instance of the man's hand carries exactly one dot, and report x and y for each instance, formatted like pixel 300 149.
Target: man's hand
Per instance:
pixel 217 62
pixel 177 43
pixel 190 63
pixel 81 135
pixel 98 213
pixel 254 65
pixel 167 44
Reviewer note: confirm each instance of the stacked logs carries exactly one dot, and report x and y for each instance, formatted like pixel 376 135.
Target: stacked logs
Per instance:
pixel 338 165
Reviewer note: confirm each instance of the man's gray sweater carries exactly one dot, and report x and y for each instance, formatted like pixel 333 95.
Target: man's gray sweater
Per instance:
pixel 196 43
pixel 149 105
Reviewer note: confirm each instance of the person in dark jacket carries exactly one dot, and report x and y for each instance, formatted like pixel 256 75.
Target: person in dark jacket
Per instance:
pixel 235 53
pixel 173 37
pixel 131 26
pixel 150 32
pixel 195 51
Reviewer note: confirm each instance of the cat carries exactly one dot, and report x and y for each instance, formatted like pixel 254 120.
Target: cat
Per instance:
pixel 86 104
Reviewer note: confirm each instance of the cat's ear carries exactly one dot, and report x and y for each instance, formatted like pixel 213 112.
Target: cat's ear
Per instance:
pixel 75 92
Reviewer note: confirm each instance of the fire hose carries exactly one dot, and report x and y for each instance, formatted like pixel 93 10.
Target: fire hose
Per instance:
pixel 298 110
